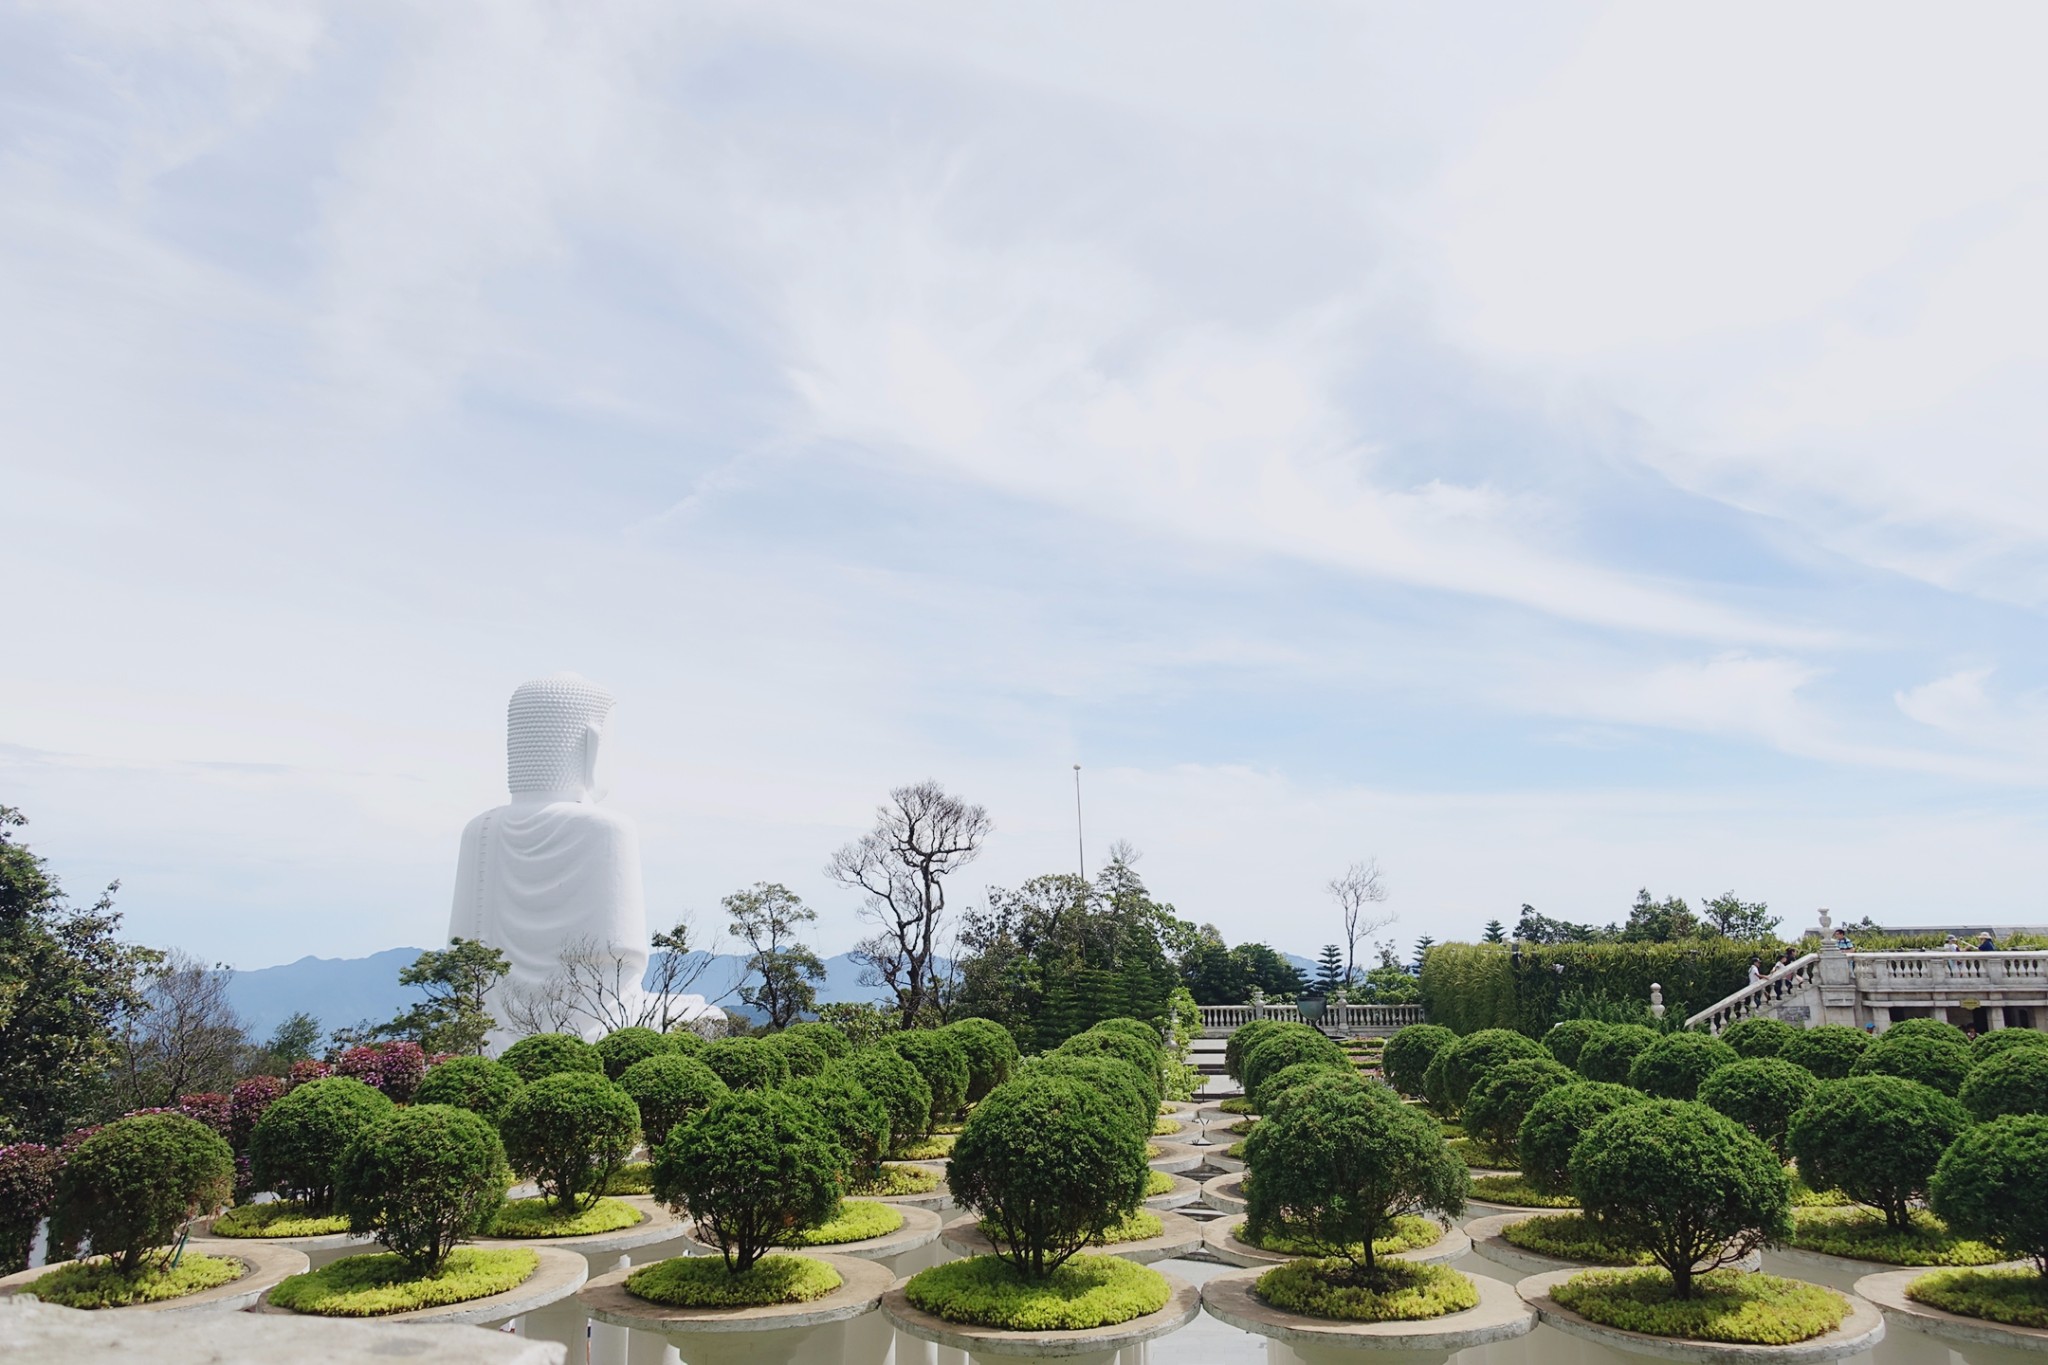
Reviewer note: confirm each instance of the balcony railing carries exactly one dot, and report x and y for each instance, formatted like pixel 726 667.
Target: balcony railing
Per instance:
pixel 1758 996
pixel 1883 973
pixel 1222 1020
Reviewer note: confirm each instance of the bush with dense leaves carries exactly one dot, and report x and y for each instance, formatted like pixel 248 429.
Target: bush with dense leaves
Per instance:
pixel 305 1070
pixel 1608 1055
pixel 1928 1058
pixel 133 1185
pixel 246 1105
pixel 1992 1184
pixel 622 1047
pixel 1143 1057
pixel 551 1054
pixel 394 1068
pixel 1673 1067
pixel 1472 1056
pixel 1567 1036
pixel 1761 1094
pixel 745 1063
pixel 1136 1029
pixel 800 1055
pixel 478 1084
pixel 896 1083
pixel 1686 1184
pixel 1291 1047
pixel 2013 1082
pixel 687 1040
pixel 567 1133
pixel 1926 1028
pixel 421 1180
pixel 1877 1139
pixel 1280 1082
pixel 830 1037
pixel 210 1107
pixel 752 1170
pixel 1340 1162
pixel 1048 1163
pixel 1247 1036
pixel 858 1121
pixel 941 1058
pixel 1408 1054
pixel 1758 1036
pixel 991 1054
pixel 1117 1079
pixel 1555 1124
pixel 1829 1051
pixel 668 1088
pixel 28 1191
pixel 2003 1040
pixel 293 1147
pixel 1503 1097
pixel 1436 1086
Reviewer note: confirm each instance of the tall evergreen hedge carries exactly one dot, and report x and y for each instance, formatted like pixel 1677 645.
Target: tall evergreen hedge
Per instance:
pixel 1473 986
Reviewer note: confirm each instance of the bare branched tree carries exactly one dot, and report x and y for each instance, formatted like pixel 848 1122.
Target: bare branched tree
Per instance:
pixel 920 838
pixel 184 1039
pixel 547 1006
pixel 677 966
pixel 1357 892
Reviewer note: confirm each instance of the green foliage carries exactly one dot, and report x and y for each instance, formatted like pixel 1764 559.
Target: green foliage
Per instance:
pixel 667 1089
pixel 1761 1094
pixel 1875 1138
pixel 132 1185
pixel 1933 1061
pixel 1992 1184
pixel 422 1179
pixel 781 973
pixel 1049 1163
pixel 378 1285
pixel 700 1282
pixel 1354 1291
pixel 941 1058
pixel 1123 1084
pixel 1436 1086
pixel 1684 1183
pixel 477 1084
pixel 1274 1086
pixel 550 1054
pixel 1501 1100
pixel 801 1056
pixel 1291 1046
pixel 1610 1054
pixel 1829 1051
pixel 567 1133
pixel 855 1117
pixel 279 1218
pixel 635 1177
pixel 1142 1057
pixel 895 1181
pixel 1244 1038
pixel 1939 1029
pixel 884 1073
pixel 100 1283
pixel 751 1169
pixel 1476 1054
pixel 1573 1237
pixel 1408 1054
pixel 830 1037
pixel 1556 1122
pixel 1863 1235
pixel 293 1147
pixel 933 1148
pixel 1673 1067
pixel 539 1218
pixel 2003 1040
pixel 455 1016
pixel 1411 1232
pixel 745 1063
pixel 2018 1298
pixel 1567 1036
pixel 1759 1036
pixel 1082 1293
pixel 1515 1192
pixel 622 1047
pixel 1468 987
pixel 854 1220
pixel 2011 1082
pixel 991 1054
pixel 1728 1305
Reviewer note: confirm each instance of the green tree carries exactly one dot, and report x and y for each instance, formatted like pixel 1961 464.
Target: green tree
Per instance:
pixel 782 971
pixel 1536 928
pixel 130 1187
pixel 754 1168
pixel 1876 1139
pixel 1408 1054
pixel 1654 921
pixel 1330 969
pixel 1496 932
pixel 1732 917
pixel 423 1179
pixel 1422 947
pixel 1993 1184
pixel 295 1040
pixel 455 1016
pixel 567 1133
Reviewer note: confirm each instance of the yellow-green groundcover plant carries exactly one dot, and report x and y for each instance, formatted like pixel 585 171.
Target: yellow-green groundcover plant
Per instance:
pixel 278 1219
pixel 1727 1305
pixel 99 1283
pixel 376 1285
pixel 539 1218
pixel 1392 1291
pixel 1411 1232
pixel 1863 1235
pixel 855 1220
pixel 704 1282
pixel 1573 1237
pixel 1086 1291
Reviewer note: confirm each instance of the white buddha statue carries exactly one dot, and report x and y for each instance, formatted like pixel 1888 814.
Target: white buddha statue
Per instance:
pixel 553 868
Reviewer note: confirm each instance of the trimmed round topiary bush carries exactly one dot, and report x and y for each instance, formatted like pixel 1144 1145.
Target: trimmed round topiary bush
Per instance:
pixel 1684 1183
pixel 1244 1038
pixel 752 1170
pixel 1141 1055
pixel 550 1054
pixel 1935 1061
pixel 622 1047
pixel 2003 1040
pixel 1557 1121
pixel 856 1119
pixel 897 1084
pixel 1117 1079
pixel 1472 1056
pixel 668 1089
pixel 1503 1097
pixel 567 1133
pixel 941 1058
pixel 687 1040
pixel 1673 1067
pixel 1758 1036
pixel 293 1147
pixel 800 1056
pixel 1827 1050
pixel 478 1084
pixel 1761 1094
pixel 1926 1028
pixel 132 1186
pixel 1280 1082
pixel 423 1179
pixel 991 1054
pixel 830 1037
pixel 2012 1082
pixel 1048 1163
pixel 745 1063
pixel 1877 1139
pixel 1436 1086
pixel 1608 1055
pixel 1567 1036
pixel 1290 1047
pixel 1992 1184
pixel 1136 1029
pixel 1408 1054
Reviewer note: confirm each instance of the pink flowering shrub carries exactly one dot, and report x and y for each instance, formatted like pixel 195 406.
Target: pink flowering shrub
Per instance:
pixel 308 1070
pixel 394 1068
pixel 251 1098
pixel 28 1189
pixel 210 1108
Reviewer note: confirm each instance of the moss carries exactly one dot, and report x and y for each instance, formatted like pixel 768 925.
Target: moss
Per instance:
pixel 1516 1192
pixel 2018 1298
pixel 899 1180
pixel 281 1218
pixel 1165 1127
pixel 633 1178
pixel 1728 1305
pixel 1412 1232
pixel 704 1282
pixel 1157 1183
pixel 1088 1291
pixel 1393 1291
pixel 1570 1237
pixel 1236 1104
pixel 1133 1227
pixel 1861 1234
pixel 538 1218
pixel 855 1220
pixel 376 1285
pixel 98 1283
pixel 926 1149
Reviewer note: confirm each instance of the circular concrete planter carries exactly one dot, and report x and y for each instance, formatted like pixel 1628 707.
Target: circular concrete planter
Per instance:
pixel 1175 1157
pixel 264 1266
pixel 1839 1272
pixel 1225 1193
pixel 1861 1330
pixel 939 1199
pixel 1500 1316
pixel 1476 1209
pixel 920 1228
pixel 1218 1158
pixel 1183 1193
pixel 1220 1239
pixel 1489 1244
pixel 319 1251
pixel 1888 1292
pixel 716 1336
pixel 1177 1237
pixel 656 1224
pixel 1095 1345
pixel 559 1274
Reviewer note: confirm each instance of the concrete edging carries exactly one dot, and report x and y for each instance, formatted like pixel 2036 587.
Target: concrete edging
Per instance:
pixel 1489 1244
pixel 266 1265
pixel 1861 1330
pixel 1220 1239
pixel 1181 1309
pixel 330 1241
pixel 1224 1193
pixel 1888 1291
pixel 1182 1193
pixel 1175 1157
pixel 1500 1316
pixel 559 1274
pixel 606 1299
pixel 1178 1235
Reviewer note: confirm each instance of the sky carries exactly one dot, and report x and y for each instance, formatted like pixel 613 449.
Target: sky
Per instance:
pixel 1554 450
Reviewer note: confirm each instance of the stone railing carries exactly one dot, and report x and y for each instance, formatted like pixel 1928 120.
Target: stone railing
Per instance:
pixel 1756 998
pixel 1880 973
pixel 1220 1021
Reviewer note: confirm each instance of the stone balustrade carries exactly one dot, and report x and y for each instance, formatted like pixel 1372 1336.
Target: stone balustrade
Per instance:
pixel 1220 1021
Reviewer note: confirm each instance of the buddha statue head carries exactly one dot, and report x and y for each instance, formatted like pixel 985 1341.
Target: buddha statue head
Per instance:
pixel 552 729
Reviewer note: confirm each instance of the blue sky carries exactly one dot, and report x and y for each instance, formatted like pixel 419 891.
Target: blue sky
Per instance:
pixel 1554 450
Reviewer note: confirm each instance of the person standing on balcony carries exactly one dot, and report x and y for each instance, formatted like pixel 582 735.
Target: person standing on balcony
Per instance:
pixel 1987 944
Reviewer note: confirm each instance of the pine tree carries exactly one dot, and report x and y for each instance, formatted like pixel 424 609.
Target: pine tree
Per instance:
pixel 1422 947
pixel 1496 932
pixel 1330 969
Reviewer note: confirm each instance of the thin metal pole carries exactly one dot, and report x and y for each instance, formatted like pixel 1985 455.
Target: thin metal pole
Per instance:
pixel 1080 849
